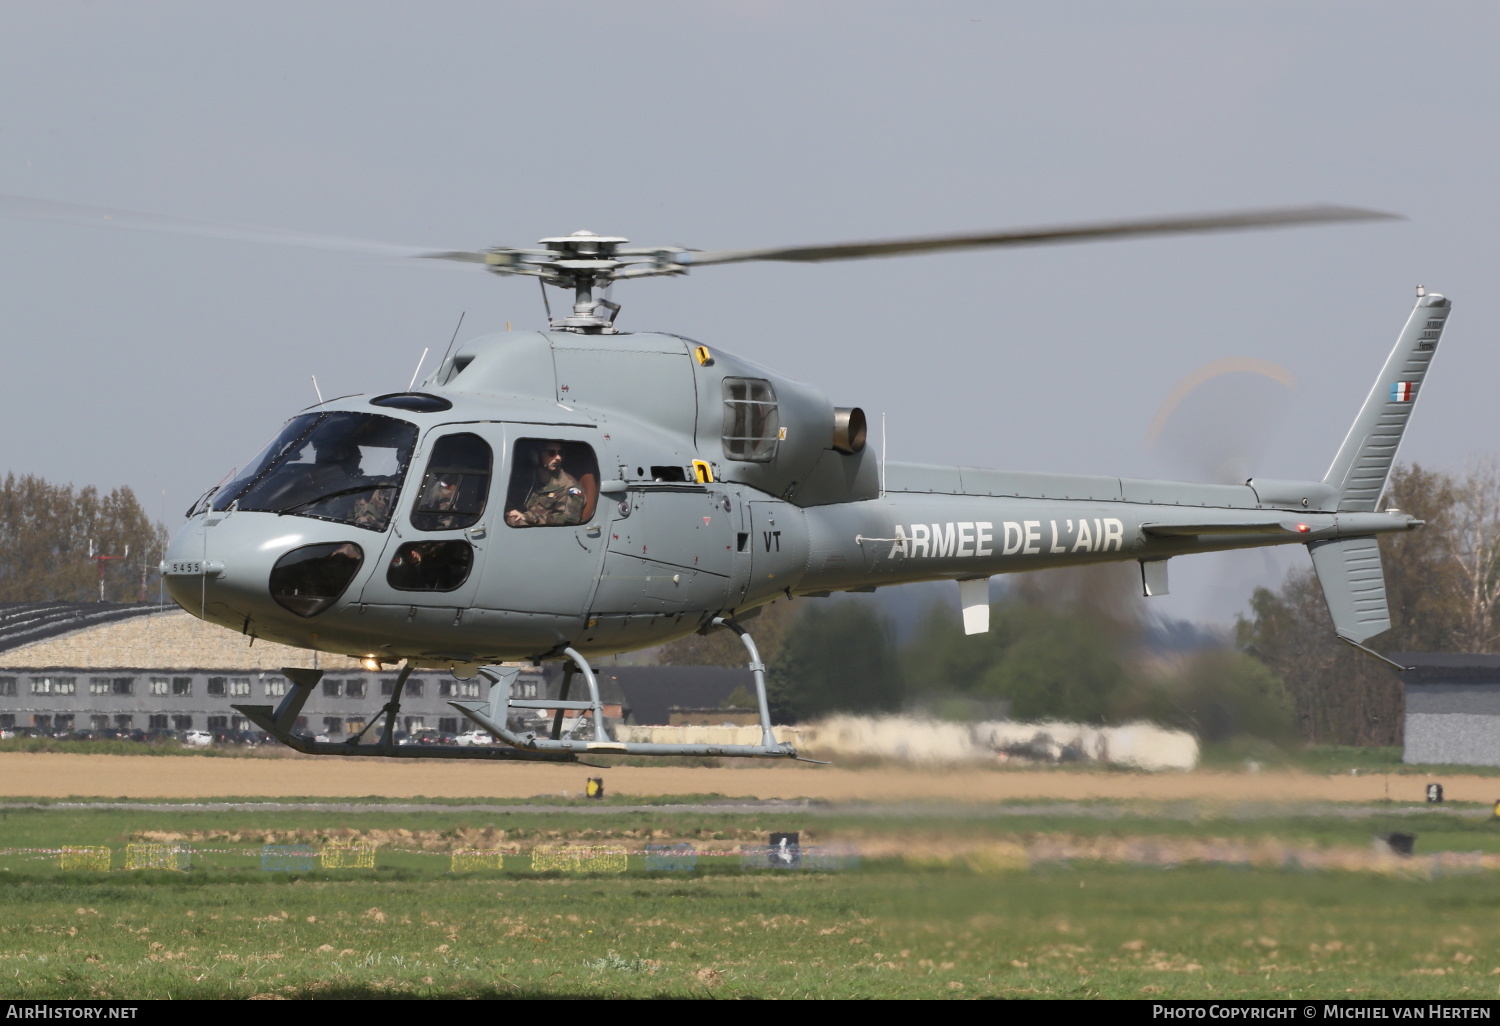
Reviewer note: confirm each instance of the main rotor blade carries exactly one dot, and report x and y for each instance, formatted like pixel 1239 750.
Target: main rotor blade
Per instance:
pixel 1230 221
pixel 33 209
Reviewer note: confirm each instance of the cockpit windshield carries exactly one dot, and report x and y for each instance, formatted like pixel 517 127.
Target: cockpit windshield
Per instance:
pixel 345 467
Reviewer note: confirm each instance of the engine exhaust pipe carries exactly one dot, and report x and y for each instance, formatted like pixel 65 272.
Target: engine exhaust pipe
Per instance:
pixel 849 429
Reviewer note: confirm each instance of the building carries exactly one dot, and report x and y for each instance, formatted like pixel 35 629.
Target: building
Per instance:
pixel 142 667
pixel 681 716
pixel 1452 708
pixel 77 667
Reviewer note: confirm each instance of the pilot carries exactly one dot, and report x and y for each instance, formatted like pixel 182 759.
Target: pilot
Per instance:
pixel 370 510
pixel 555 498
pixel 340 460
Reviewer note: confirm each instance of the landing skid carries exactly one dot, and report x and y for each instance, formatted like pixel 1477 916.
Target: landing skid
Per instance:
pixel 494 715
pixel 280 722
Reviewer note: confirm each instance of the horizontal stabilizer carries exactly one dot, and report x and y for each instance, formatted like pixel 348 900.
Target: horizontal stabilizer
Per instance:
pixel 1353 585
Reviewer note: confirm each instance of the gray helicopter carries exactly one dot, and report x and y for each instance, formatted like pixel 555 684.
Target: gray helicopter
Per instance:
pixel 583 491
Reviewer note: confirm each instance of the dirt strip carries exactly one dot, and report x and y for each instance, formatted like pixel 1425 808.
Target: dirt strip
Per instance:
pixel 118 776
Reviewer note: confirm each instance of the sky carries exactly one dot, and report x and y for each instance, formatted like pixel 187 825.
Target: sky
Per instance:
pixel 160 361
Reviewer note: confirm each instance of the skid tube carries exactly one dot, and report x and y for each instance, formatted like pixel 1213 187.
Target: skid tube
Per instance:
pixel 494 715
pixel 279 725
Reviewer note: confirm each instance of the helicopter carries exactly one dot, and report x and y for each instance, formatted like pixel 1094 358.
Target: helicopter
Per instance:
pixel 581 491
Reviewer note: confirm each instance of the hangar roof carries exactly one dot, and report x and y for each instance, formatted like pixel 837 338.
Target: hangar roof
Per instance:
pixel 1470 667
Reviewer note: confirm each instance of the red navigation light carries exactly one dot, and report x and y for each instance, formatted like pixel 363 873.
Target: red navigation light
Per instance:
pixel 1303 528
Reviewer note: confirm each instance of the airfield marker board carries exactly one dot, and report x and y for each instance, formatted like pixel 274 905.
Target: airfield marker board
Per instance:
pixel 173 857
pixel 671 858
pixel 88 858
pixel 348 856
pixel 578 859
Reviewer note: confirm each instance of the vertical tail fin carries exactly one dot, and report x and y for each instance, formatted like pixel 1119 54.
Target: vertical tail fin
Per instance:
pixel 1363 463
pixel 1349 568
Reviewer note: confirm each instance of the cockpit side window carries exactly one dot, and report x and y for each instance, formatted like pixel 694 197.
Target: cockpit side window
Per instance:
pixel 456 486
pixel 344 467
pixel 553 483
pixel 752 424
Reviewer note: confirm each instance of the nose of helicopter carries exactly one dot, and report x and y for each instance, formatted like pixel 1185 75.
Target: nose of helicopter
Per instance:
pixel 184 564
pixel 224 568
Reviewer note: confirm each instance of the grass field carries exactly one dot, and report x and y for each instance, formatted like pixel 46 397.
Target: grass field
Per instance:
pixel 1108 900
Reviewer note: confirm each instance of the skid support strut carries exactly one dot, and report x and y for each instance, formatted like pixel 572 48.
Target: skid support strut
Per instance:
pixel 494 715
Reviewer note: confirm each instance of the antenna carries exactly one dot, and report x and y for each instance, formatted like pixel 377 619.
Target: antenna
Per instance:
pixel 412 383
pixel 460 324
pixel 161 578
pixel 317 390
pixel 882 454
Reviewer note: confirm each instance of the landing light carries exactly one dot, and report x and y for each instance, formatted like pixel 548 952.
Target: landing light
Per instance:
pixel 370 663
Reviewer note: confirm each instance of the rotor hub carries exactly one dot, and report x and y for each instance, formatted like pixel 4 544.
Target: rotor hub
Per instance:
pixel 584 244
pixel 584 261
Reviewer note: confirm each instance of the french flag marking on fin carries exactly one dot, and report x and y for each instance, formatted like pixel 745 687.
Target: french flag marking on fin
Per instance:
pixel 1401 392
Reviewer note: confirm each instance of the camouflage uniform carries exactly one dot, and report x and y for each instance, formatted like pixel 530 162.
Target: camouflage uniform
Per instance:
pixel 557 500
pixel 370 510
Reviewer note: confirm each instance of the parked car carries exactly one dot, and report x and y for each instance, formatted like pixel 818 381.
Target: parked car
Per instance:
pixel 197 739
pixel 427 736
pixel 474 737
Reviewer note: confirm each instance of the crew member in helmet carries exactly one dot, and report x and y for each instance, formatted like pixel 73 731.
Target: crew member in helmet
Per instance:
pixel 440 505
pixel 555 498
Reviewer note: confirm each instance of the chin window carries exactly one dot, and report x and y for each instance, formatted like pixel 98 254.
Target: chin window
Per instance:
pixel 308 580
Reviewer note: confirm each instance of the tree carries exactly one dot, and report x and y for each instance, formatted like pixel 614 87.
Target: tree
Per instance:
pixel 1062 664
pixel 45 535
pixel 837 657
pixel 1056 647
pixel 1420 565
pixel 1472 534
pixel 1218 695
